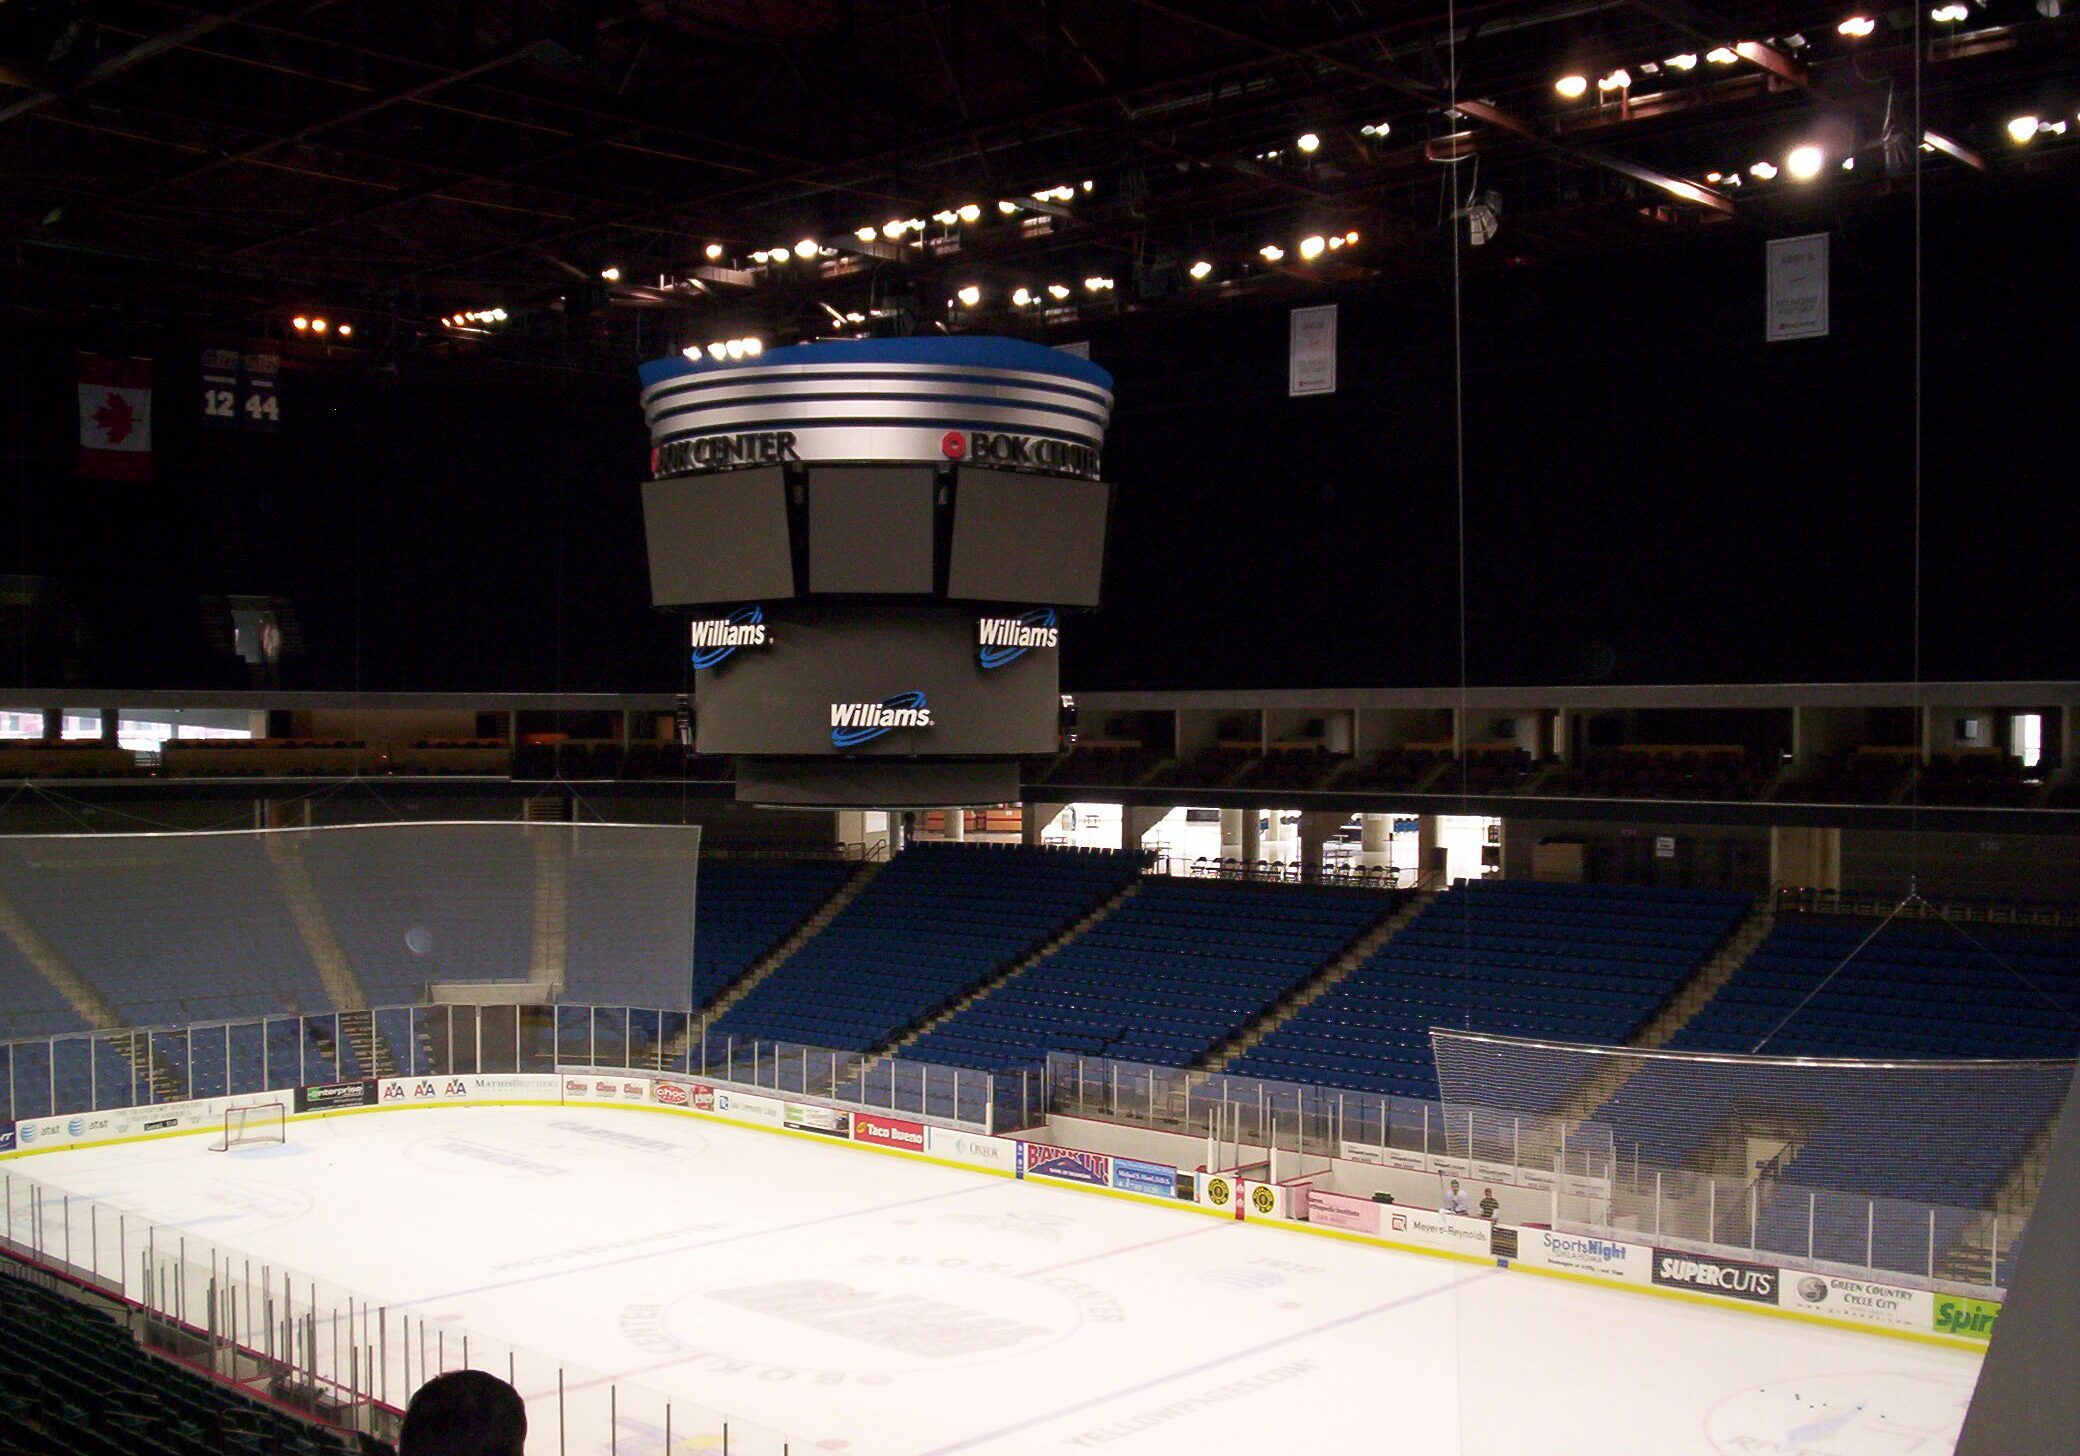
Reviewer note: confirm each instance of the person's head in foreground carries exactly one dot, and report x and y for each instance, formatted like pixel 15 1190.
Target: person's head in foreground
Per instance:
pixel 464 1413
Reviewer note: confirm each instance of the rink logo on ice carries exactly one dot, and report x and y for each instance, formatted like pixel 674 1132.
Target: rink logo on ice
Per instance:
pixel 1755 1282
pixel 1072 1164
pixel 908 1324
pixel 1874 1413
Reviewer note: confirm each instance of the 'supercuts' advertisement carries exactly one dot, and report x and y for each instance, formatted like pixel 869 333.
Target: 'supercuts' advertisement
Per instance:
pixel 1756 1282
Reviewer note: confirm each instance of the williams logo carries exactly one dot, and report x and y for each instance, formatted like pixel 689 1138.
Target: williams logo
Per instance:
pixel 855 723
pixel 1006 639
pixel 715 638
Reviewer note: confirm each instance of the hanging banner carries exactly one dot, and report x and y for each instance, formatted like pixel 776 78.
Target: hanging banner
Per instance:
pixel 1797 288
pixel 115 418
pixel 1311 364
pixel 238 390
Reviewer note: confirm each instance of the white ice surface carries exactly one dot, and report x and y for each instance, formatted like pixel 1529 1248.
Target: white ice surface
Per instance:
pixel 873 1305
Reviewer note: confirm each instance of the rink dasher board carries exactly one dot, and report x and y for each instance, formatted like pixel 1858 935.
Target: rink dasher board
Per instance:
pixel 756 1110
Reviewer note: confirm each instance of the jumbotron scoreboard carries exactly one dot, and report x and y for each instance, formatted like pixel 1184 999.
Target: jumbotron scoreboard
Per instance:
pixel 876 544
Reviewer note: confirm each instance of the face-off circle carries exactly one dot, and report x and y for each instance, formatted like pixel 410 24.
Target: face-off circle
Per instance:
pixel 1873 1413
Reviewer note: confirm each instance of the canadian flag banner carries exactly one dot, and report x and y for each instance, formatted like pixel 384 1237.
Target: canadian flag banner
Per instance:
pixel 115 418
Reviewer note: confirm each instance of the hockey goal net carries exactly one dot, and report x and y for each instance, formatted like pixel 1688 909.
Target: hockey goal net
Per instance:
pixel 257 1122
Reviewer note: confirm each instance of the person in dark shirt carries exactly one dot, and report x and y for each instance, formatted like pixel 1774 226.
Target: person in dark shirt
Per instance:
pixel 1489 1204
pixel 464 1413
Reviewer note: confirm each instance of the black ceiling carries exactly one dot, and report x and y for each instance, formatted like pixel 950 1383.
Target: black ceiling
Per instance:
pixel 232 166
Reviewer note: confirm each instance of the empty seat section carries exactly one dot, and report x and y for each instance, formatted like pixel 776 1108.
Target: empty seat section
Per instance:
pixel 1911 991
pixel 747 907
pixel 1583 963
pixel 939 919
pixel 1167 976
pixel 205 932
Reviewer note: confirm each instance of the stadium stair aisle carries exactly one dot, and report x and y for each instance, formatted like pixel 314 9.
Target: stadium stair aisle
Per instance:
pixel 79 1384
pixel 936 921
pixel 1577 962
pixel 1164 979
pixel 747 908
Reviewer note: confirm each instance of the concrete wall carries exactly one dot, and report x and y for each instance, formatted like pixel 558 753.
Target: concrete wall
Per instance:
pixel 1996 866
pixel 1702 856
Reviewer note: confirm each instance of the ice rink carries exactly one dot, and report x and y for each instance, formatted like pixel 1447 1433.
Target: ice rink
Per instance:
pixel 877 1305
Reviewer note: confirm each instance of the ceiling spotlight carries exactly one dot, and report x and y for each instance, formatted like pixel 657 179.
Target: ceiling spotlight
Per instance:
pixel 1200 269
pixel 970 296
pixel 318 326
pixel 1087 184
pixel 1057 290
pixel 805 249
pixel 1311 247
pixel 1021 297
pixel 1006 206
pixel 1950 14
pixel 1687 61
pixel 1617 80
pixel 303 323
pixel 692 352
pixel 1857 25
pixel 497 314
pixel 1351 236
pixel 893 228
pixel 713 251
pixel 718 351
pixel 1271 252
pixel 1721 55
pixel 855 318
pixel 1848 164
pixel 1335 241
pixel 1805 163
pixel 611 275
pixel 864 234
pixel 2023 128
pixel 969 212
pixel 1097 284
pixel 734 348
pixel 915 224
pixel 1763 171
pixel 346 330
pixel 1378 129
pixel 1711 176
pixel 1571 86
pixel 946 217
pixel 1307 141
pixel 753 347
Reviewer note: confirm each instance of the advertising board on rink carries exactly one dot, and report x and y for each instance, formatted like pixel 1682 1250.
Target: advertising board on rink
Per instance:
pixel 973 1148
pixel 1584 1254
pixel 1398 1223
pixel 697 1096
pixel 1072 1165
pixel 748 1107
pixel 1857 1299
pixel 804 1117
pixel 1159 1180
pixel 888 1132
pixel 336 1094
pixel 1733 1278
